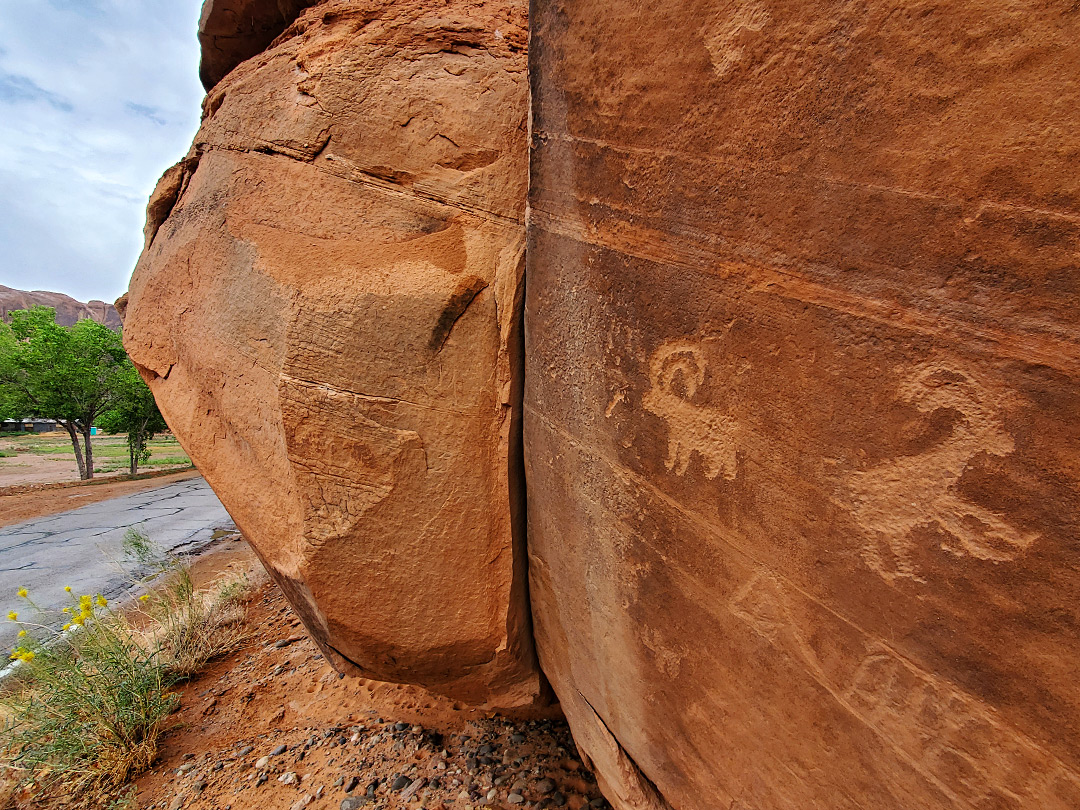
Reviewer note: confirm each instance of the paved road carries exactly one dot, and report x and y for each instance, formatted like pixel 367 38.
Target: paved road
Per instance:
pixel 82 548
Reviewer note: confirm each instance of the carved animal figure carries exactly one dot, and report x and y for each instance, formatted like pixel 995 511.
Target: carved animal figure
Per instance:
pixel 676 370
pixel 891 500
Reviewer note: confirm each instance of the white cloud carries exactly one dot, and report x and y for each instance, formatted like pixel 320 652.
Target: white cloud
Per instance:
pixel 97 99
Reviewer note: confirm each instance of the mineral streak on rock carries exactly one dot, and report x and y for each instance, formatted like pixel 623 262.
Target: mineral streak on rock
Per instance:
pixel 328 312
pixel 801 405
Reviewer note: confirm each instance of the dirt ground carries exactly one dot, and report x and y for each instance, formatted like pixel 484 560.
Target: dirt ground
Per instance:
pixel 45 458
pixel 274 727
pixel 28 502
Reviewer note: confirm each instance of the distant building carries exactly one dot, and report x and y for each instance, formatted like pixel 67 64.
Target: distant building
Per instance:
pixel 29 426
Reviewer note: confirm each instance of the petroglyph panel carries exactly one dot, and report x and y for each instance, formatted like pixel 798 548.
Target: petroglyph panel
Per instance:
pixel 802 384
pixel 892 499
pixel 676 371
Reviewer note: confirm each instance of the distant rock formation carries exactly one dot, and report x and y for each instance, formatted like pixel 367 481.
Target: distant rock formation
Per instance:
pixel 801 360
pixel 68 310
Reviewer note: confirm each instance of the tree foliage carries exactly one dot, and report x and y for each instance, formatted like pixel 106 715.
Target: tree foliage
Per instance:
pixel 71 374
pixel 135 413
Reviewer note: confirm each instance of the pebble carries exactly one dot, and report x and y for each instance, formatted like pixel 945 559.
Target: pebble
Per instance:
pixel 353 802
pixel 515 798
pixel 187 766
pixel 262 762
pixel 281 749
pixel 401 783
pixel 350 786
pixel 412 788
pixel 558 799
pixel 288 778
pixel 517 738
pixel 247 749
pixel 545 786
pixel 302 802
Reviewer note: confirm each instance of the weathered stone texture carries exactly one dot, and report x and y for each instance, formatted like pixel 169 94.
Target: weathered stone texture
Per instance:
pixel 328 312
pixel 232 31
pixel 801 406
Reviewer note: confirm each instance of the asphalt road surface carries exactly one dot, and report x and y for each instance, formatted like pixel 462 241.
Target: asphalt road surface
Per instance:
pixel 83 548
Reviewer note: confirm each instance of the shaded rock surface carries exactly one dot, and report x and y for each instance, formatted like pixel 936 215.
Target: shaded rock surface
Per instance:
pixel 232 31
pixel 803 375
pixel 328 312
pixel 68 310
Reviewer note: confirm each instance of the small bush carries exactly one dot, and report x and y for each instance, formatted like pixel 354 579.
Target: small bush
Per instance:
pixel 93 704
pixel 96 694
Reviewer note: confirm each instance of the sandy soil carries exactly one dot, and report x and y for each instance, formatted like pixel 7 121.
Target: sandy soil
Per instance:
pixel 340 739
pixel 33 502
pixel 274 727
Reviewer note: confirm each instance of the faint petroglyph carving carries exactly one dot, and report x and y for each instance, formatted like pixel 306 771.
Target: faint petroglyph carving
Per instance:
pixel 948 736
pixel 891 500
pixel 676 371
pixel 722 36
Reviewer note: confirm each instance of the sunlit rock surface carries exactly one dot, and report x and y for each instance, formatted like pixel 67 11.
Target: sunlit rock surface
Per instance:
pixel 328 312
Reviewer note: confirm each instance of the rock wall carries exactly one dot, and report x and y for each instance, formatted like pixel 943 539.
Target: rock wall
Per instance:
pixel 803 370
pixel 801 406
pixel 328 313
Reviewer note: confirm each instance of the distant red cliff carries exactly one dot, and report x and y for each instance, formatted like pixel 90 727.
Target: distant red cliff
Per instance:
pixel 68 310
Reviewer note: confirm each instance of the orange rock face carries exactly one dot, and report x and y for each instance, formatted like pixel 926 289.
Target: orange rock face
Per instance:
pixel 801 406
pixel 328 312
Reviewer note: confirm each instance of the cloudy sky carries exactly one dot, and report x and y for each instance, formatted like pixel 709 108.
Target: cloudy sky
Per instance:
pixel 97 99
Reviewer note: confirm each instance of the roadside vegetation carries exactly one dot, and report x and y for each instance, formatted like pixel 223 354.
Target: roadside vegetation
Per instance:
pixel 87 700
pixel 81 377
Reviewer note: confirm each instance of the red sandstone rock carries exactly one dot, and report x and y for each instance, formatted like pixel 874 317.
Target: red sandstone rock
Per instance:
pixel 801 406
pixel 68 310
pixel 232 31
pixel 328 313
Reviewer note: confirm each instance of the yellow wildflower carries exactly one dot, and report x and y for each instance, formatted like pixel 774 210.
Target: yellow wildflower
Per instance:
pixel 67 626
pixel 102 601
pixel 85 601
pixel 27 656
pixel 78 620
pixel 13 616
pixel 67 588
pixel 22 634
pixel 67 610
pixel 144 597
pixel 21 592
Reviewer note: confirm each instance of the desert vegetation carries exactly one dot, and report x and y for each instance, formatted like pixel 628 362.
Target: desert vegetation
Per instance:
pixel 87 699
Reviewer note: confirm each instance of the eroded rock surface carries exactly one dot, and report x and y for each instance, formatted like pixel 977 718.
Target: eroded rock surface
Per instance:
pixel 801 405
pixel 232 31
pixel 328 312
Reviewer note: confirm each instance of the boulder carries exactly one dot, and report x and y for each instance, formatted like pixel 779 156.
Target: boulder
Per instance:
pixel 801 430
pixel 328 313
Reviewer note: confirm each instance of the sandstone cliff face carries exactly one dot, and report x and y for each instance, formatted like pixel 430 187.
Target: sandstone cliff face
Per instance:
pixel 803 374
pixel 328 312
pixel 801 406
pixel 68 310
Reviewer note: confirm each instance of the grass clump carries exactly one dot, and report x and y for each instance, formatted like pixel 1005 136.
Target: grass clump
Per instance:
pixel 94 696
pixel 93 702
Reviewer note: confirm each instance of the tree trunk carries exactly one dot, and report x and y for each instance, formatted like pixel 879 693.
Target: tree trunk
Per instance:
pixel 70 428
pixel 89 453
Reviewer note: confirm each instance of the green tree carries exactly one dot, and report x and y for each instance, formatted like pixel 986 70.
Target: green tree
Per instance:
pixel 134 412
pixel 69 374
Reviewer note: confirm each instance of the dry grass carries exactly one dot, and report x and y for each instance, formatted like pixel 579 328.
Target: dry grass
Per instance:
pixel 91 700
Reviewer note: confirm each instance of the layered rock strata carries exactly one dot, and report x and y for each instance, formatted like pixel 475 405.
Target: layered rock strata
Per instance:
pixel 328 312
pixel 801 405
